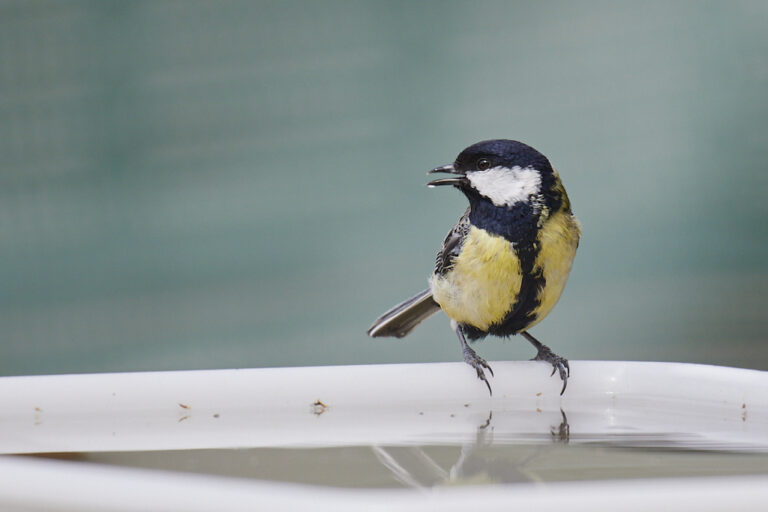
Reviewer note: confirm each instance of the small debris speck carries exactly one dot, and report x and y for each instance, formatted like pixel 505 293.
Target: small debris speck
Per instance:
pixel 318 408
pixel 743 406
pixel 538 410
pixel 183 406
pixel 466 405
pixel 453 415
pixel 37 409
pixel 216 415
pixel 538 394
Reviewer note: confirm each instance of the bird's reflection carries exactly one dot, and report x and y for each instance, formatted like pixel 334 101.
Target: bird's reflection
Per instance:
pixel 423 467
pixel 561 433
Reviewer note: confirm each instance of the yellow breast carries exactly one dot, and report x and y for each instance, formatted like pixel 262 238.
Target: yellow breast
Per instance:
pixel 558 240
pixel 484 283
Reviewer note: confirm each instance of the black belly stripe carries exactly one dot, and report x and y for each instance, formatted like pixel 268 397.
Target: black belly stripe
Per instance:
pixel 519 225
pixel 522 313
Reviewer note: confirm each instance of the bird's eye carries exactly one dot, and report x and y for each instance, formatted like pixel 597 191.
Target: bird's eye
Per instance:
pixel 483 164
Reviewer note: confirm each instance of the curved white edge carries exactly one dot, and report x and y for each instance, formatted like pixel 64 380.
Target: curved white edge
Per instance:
pixel 30 485
pixel 379 404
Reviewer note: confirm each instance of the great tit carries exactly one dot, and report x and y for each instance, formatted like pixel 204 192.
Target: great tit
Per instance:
pixel 503 266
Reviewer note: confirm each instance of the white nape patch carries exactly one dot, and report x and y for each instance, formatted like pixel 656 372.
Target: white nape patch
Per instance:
pixel 506 186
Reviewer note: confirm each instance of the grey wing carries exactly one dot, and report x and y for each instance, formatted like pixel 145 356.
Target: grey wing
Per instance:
pixel 452 245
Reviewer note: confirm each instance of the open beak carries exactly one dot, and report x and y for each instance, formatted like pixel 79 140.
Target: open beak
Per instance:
pixel 459 179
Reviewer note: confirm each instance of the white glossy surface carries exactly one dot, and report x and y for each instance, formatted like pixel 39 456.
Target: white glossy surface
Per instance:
pixel 376 404
pixel 645 404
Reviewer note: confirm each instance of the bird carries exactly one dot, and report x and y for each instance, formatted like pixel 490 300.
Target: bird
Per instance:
pixel 503 266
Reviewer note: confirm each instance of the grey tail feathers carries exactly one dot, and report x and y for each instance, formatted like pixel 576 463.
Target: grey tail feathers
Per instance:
pixel 403 318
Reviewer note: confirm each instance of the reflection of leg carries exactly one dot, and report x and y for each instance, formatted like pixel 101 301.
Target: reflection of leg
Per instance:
pixel 545 354
pixel 411 466
pixel 401 474
pixel 485 425
pixel 471 357
pixel 563 432
pixel 483 438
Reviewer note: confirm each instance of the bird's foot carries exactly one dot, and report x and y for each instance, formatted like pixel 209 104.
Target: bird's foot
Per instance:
pixel 478 363
pixel 559 364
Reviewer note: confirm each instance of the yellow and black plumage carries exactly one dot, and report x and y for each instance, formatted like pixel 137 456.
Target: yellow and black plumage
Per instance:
pixel 503 266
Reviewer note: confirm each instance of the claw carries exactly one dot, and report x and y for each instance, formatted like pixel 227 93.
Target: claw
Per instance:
pixel 471 357
pixel 490 391
pixel 478 363
pixel 559 364
pixel 487 367
pixel 565 383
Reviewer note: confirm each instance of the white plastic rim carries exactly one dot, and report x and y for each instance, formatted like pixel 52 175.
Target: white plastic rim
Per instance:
pixel 438 403
pixel 378 404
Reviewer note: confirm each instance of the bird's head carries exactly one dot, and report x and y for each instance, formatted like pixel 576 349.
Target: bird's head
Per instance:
pixel 502 171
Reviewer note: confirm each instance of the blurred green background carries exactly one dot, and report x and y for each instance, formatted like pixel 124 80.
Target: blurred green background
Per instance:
pixel 241 184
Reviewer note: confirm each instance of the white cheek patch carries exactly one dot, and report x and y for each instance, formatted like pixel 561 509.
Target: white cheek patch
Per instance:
pixel 505 186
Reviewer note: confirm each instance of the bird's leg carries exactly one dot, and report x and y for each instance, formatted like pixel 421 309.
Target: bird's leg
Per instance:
pixel 545 354
pixel 471 357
